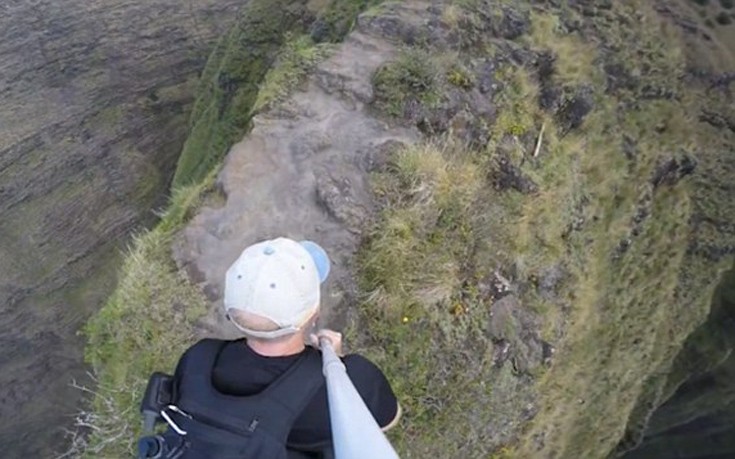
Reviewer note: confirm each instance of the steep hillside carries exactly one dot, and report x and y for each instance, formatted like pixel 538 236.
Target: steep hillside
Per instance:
pixel 94 98
pixel 528 204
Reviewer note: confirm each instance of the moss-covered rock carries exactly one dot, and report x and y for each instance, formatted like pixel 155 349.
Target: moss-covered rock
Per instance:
pixel 336 20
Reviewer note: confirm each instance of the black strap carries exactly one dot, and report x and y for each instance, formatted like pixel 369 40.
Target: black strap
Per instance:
pixel 293 391
pixel 278 405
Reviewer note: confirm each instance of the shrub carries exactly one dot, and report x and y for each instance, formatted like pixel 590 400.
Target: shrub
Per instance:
pixel 723 18
pixel 460 77
pixel 412 76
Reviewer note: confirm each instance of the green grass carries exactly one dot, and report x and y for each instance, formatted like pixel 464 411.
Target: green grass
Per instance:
pixel 415 75
pixel 418 317
pixel 337 18
pixel 230 83
pixel 143 327
pixel 295 60
pixel 620 316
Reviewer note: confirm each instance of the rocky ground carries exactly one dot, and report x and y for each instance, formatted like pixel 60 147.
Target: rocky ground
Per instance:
pixel 301 172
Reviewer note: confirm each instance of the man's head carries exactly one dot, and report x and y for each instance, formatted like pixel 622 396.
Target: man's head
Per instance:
pixel 273 289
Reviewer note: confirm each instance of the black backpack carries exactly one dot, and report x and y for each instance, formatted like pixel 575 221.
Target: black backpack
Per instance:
pixel 206 424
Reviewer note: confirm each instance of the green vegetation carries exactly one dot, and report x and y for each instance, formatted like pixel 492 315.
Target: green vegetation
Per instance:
pixel 420 314
pixel 520 113
pixel 413 76
pixel 460 77
pixel 418 75
pixel 143 328
pixel 621 314
pixel 337 18
pixel 574 58
pixel 230 83
pixel 723 18
pixel 297 58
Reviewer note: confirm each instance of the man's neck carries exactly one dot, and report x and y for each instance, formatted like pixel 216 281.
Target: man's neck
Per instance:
pixel 280 348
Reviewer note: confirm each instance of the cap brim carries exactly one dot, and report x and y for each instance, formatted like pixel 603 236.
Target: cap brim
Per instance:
pixel 320 257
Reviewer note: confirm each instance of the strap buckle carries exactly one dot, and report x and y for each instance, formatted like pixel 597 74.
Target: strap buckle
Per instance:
pixel 171 422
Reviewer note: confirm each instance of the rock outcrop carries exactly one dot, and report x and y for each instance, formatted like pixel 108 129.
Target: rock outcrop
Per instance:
pixel 94 101
pixel 301 172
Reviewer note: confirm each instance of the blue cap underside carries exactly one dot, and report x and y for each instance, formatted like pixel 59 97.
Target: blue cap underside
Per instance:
pixel 320 257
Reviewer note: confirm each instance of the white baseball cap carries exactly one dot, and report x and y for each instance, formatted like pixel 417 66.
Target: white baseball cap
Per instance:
pixel 279 280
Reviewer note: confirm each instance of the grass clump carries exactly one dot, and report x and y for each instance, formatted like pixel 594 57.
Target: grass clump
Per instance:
pixel 632 290
pixel 460 77
pixel 419 316
pixel 297 58
pixel 413 76
pixel 723 18
pixel 337 18
pixel 520 113
pixel 230 82
pixel 144 327
pixel 574 59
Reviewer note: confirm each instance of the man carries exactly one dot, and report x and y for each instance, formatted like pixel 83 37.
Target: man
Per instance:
pixel 272 295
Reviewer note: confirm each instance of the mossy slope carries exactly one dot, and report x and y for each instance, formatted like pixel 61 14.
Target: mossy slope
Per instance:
pixel 593 188
pixel 230 83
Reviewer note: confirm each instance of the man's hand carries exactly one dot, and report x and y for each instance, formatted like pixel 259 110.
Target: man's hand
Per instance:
pixel 335 338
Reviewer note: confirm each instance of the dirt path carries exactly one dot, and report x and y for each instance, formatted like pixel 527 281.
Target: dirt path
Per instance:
pixel 302 172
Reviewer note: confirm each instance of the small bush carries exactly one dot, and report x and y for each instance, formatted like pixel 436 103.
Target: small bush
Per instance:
pixel 337 19
pixel 727 4
pixel 412 76
pixel 460 77
pixel 723 18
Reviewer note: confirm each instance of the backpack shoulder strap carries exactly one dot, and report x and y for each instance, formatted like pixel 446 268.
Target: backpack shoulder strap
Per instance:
pixel 273 410
pixel 198 359
pixel 203 355
pixel 291 393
